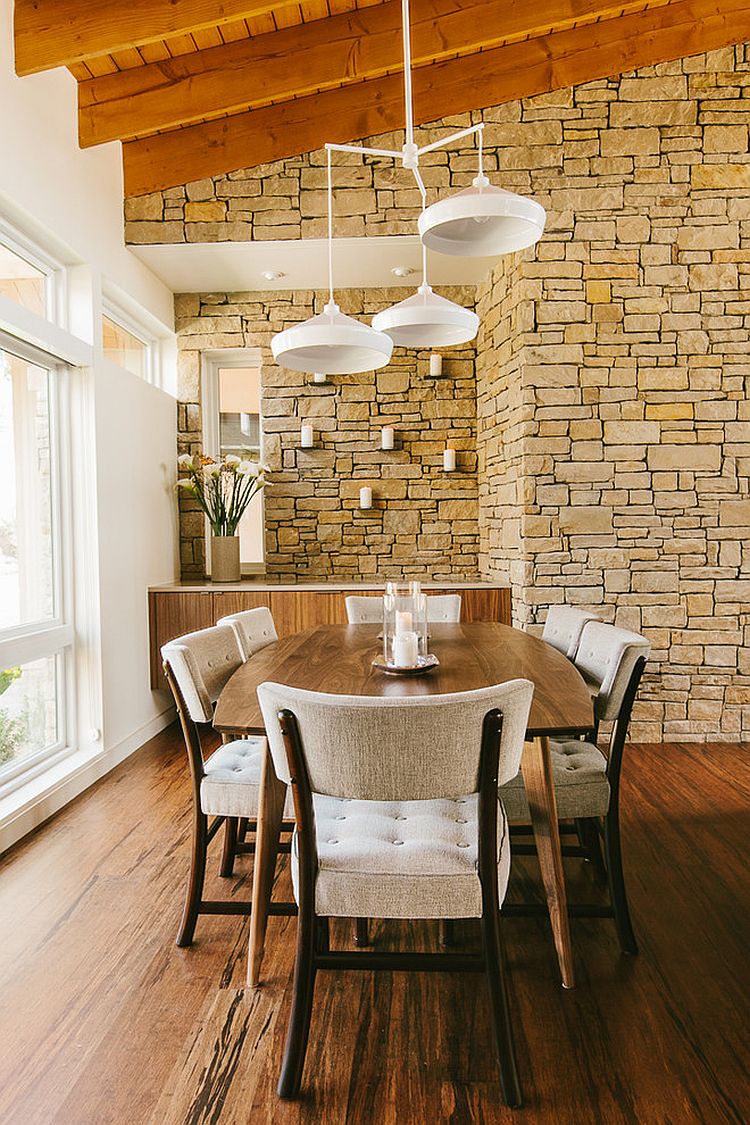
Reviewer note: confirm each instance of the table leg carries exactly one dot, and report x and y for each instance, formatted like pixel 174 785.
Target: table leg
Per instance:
pixel 270 813
pixel 536 766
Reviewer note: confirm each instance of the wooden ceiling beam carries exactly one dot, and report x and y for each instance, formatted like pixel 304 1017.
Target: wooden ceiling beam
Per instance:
pixel 313 57
pixel 50 33
pixel 552 62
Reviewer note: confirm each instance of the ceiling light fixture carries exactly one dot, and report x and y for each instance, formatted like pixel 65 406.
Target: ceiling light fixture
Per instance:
pixel 480 221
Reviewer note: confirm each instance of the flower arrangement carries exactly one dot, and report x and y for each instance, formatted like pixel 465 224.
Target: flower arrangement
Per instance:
pixel 222 488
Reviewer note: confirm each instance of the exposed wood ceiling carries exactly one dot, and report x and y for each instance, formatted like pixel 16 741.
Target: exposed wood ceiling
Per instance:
pixel 263 80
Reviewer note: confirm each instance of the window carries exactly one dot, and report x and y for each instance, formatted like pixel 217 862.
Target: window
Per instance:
pixel 123 347
pixel 35 638
pixel 232 424
pixel 22 282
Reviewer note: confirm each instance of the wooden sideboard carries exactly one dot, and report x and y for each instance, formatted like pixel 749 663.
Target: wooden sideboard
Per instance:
pixel 175 610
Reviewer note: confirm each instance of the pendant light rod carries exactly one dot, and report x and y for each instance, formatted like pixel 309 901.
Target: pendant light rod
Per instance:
pixel 453 137
pixel 408 106
pixel 330 228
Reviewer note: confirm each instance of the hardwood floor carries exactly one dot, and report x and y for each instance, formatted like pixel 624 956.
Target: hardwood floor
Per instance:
pixel 103 1019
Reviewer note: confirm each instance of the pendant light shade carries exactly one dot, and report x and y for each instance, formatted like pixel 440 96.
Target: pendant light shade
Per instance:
pixel 332 343
pixel 481 222
pixel 427 320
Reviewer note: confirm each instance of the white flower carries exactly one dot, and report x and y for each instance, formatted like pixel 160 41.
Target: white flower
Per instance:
pixel 249 468
pixel 232 460
pixel 185 461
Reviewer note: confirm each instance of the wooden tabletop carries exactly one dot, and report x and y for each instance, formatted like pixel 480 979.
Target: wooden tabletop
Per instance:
pixel 338 659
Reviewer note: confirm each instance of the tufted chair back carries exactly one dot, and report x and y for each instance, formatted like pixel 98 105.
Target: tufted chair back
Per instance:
pixel 564 626
pixel 254 629
pixel 441 608
pixel 200 664
pixel 410 748
pixel 606 658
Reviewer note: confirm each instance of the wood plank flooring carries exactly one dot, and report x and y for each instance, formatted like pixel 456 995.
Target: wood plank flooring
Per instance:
pixel 104 1020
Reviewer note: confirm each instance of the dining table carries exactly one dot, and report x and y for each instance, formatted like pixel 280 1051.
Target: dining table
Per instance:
pixel 338 660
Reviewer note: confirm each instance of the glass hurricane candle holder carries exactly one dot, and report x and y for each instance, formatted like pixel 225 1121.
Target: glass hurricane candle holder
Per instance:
pixel 404 624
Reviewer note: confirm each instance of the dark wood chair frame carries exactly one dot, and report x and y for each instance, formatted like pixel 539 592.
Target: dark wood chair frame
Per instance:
pixel 592 831
pixel 313 950
pixel 235 836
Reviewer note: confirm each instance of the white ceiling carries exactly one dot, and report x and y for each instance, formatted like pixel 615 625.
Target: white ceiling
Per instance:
pixel 226 267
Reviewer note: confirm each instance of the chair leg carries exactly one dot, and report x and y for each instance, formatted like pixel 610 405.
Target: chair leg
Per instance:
pixel 361 936
pixel 588 835
pixel 302 998
pixel 242 828
pixel 229 850
pixel 494 962
pixel 324 935
pixel 616 880
pixel 195 882
pixel 447 932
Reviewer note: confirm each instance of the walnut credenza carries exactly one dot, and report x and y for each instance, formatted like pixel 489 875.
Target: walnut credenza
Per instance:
pixel 174 610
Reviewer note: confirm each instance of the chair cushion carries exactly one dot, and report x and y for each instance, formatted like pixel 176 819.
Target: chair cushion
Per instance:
pixel 581 786
pixel 409 859
pixel 231 783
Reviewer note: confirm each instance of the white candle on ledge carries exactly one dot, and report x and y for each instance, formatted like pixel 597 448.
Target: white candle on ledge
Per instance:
pixel 449 460
pixel 319 377
pixel 403 621
pixel 386 437
pixel 306 436
pixel 405 650
pixel 436 364
pixel 365 497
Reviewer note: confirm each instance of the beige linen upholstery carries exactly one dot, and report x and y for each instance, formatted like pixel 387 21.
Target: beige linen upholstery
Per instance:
pixel 564 626
pixel 202 662
pixel 606 658
pixel 401 859
pixel 395 783
pixel 369 610
pixel 254 629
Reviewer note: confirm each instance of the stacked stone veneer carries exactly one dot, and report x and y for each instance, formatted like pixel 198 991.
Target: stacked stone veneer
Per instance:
pixel 423 520
pixel 613 426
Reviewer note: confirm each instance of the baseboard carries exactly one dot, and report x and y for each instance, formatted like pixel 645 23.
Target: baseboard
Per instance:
pixel 30 805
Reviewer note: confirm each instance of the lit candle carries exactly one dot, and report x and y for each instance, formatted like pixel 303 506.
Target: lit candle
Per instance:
pixel 365 497
pixel 386 437
pixel 306 436
pixel 449 460
pixel 403 621
pixel 436 363
pixel 405 650
pixel 319 377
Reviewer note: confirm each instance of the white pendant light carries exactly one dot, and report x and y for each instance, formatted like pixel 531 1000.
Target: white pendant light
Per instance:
pixel 481 222
pixel 427 320
pixel 331 343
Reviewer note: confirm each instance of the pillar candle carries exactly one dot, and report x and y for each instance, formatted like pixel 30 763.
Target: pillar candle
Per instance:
pixel 306 436
pixel 405 650
pixel 403 622
pixel 386 437
pixel 449 460
pixel 319 378
pixel 436 363
pixel 365 497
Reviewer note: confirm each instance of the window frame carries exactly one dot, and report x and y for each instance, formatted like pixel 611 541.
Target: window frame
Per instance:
pixel 53 637
pixel 211 363
pixel 55 274
pixel 131 324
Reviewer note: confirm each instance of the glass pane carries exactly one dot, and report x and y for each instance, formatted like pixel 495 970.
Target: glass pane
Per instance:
pixel 239 433
pixel 28 709
pixel 123 348
pixel 21 282
pixel 26 547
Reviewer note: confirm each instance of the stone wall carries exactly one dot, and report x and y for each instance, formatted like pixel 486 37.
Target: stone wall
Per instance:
pixel 612 370
pixel 423 521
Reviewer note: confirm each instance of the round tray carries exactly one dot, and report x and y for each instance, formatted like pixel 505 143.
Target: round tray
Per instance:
pixel 426 664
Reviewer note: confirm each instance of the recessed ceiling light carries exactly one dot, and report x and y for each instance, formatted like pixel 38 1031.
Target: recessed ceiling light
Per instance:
pixel 402 271
pixel 272 275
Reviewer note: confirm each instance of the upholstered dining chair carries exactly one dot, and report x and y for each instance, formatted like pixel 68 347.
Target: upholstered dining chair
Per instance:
pixel 226 784
pixel 564 626
pixel 254 629
pixel 363 610
pixel 397 816
pixel 587 779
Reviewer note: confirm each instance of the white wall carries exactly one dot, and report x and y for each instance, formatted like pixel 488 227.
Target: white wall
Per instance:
pixel 136 439
pixel 50 185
